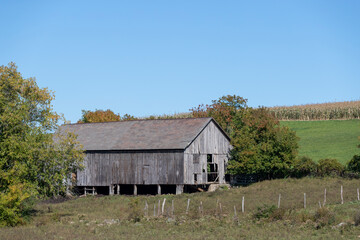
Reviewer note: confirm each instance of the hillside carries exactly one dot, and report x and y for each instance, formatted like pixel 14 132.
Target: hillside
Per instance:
pixel 327 139
pixel 122 217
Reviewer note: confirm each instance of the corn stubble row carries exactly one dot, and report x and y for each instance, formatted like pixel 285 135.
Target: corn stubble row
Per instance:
pixel 323 111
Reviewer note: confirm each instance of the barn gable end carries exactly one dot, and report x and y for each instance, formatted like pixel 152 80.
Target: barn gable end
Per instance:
pixel 211 143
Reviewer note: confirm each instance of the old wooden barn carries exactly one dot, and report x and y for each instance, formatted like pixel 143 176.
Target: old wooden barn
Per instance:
pixel 151 156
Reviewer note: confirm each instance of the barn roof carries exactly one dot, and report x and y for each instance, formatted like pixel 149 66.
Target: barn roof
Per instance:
pixel 159 134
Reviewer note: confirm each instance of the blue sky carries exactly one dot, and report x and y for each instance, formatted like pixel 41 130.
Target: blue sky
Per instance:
pixel 165 57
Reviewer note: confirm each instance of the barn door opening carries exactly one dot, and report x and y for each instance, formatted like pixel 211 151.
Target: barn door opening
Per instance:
pixel 212 169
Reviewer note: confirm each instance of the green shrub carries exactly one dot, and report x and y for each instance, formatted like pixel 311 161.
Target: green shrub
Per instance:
pixel 264 212
pixel 277 214
pixel 304 166
pixel 323 216
pixel 135 211
pixel 357 218
pixel 15 205
pixel 330 167
pixel 354 164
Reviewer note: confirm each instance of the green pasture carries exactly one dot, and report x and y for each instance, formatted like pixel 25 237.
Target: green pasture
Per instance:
pixel 327 139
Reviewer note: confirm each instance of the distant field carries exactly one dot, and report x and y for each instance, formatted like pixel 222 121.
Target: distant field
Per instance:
pixel 327 139
pixel 320 111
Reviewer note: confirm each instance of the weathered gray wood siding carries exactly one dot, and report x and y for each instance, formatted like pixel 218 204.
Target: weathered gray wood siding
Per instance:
pixel 210 141
pixel 138 167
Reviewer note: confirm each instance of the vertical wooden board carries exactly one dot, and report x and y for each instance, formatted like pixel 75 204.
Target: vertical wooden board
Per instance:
pixel 90 175
pixel 179 158
pixel 122 168
pixel 171 168
pixel 203 161
pixel 129 173
pixel 125 165
pixel 152 162
pixel 139 168
pixel 186 167
pixel 162 169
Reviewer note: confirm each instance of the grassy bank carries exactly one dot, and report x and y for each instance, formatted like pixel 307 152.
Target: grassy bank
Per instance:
pixel 122 217
pixel 327 139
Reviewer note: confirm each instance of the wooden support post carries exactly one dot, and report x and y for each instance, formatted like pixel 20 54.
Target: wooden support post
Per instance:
pixel 135 190
pixel 93 192
pixel 111 190
pixel 179 189
pixel 118 189
pixel 158 189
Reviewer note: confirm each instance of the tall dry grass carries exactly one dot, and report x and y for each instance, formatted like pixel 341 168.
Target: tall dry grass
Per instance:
pixel 321 111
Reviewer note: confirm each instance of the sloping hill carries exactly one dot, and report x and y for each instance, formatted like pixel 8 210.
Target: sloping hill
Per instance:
pixel 327 139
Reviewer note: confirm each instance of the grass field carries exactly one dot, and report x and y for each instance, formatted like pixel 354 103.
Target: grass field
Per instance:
pixel 113 217
pixel 327 139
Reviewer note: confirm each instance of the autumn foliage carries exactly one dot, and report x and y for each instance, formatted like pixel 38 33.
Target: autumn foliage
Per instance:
pixel 261 145
pixel 103 116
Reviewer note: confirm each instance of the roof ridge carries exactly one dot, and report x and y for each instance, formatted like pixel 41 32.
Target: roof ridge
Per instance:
pixel 139 120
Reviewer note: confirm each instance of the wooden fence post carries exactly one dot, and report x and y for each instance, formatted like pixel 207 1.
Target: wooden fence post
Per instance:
pixel 187 207
pixel 243 204
pixel 201 209
pixel 324 197
pixel 279 200
pixel 235 215
pixel 163 207
pixel 341 192
pixel 358 195
pixel 172 208
pixel 304 200
pixel 146 209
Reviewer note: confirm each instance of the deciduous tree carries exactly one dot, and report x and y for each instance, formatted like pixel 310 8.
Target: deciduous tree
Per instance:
pixel 261 145
pixel 32 162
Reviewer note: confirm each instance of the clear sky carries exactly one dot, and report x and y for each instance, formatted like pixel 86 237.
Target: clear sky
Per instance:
pixel 164 57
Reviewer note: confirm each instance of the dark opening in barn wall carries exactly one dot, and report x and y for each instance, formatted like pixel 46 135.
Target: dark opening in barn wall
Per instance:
pixel 147 189
pixel 102 190
pixel 168 189
pixel 195 188
pixel 126 189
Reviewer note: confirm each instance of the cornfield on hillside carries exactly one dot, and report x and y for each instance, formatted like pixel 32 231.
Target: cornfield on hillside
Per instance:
pixel 322 111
